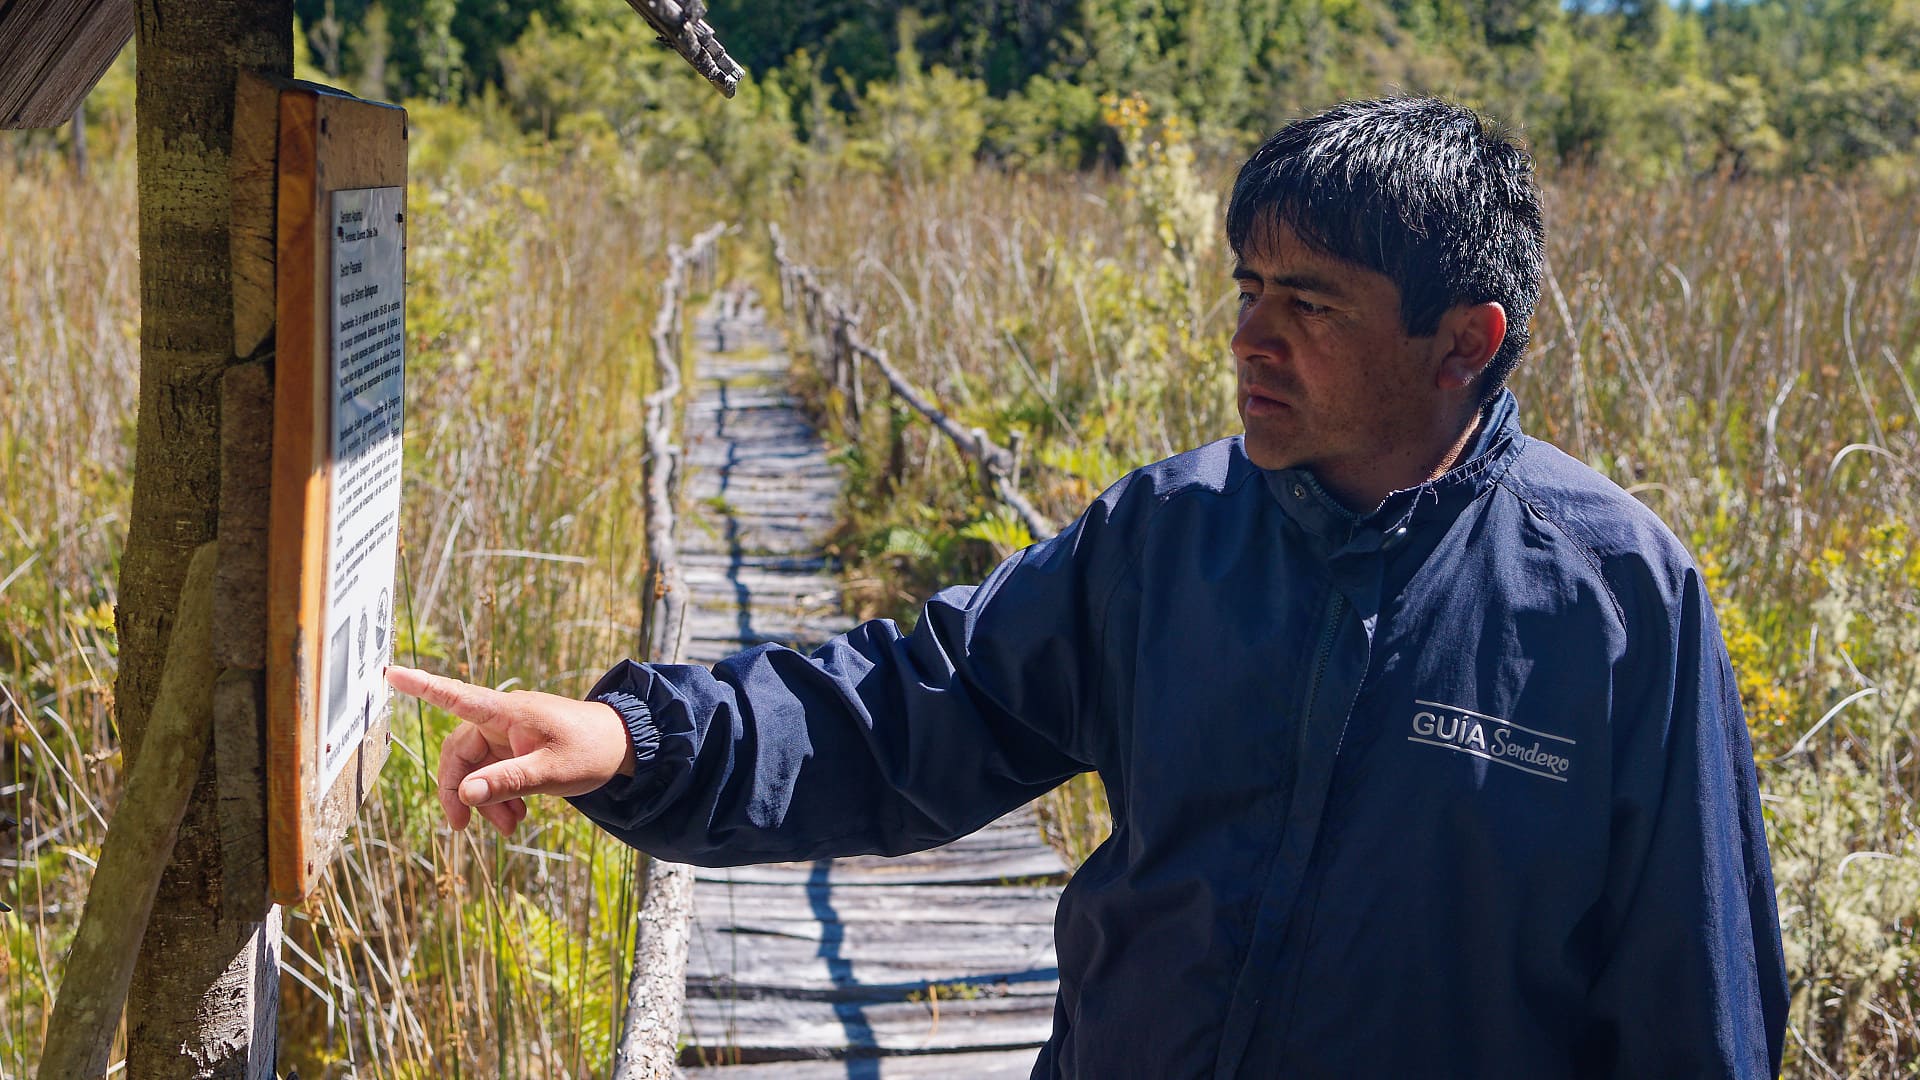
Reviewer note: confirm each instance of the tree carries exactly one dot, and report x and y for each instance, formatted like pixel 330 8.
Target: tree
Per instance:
pixel 191 53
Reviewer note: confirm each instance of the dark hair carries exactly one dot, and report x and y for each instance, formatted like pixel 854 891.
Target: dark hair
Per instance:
pixel 1418 189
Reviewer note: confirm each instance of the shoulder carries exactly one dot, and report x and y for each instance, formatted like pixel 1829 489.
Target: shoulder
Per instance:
pixel 1644 565
pixel 1219 468
pixel 1115 527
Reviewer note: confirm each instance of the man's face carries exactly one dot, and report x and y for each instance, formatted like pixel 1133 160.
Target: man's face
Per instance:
pixel 1328 377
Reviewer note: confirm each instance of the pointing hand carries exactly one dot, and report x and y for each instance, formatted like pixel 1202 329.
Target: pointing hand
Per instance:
pixel 511 745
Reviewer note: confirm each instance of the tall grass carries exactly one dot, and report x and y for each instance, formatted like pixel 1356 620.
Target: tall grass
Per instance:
pixel 69 364
pixel 1743 357
pixel 424 953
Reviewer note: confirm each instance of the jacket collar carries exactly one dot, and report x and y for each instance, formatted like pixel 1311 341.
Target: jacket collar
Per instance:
pixel 1341 531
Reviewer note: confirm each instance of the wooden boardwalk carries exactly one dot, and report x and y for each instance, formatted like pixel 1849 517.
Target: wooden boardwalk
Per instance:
pixel 936 964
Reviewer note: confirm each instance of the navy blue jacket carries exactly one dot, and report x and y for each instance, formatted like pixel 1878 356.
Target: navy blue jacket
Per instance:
pixel 1459 788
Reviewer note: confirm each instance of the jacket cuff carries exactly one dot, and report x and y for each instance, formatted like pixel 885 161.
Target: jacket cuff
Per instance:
pixel 641 732
pixel 624 801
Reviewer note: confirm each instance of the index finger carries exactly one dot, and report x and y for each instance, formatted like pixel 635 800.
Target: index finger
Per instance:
pixel 464 700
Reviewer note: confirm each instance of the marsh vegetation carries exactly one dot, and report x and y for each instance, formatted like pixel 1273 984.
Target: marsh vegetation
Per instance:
pixel 1730 330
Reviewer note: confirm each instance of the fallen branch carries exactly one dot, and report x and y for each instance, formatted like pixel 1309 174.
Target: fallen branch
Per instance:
pixel 685 29
pixel 801 289
pixel 139 843
pixel 656 989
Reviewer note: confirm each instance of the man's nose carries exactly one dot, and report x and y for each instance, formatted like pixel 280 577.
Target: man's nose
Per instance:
pixel 1259 333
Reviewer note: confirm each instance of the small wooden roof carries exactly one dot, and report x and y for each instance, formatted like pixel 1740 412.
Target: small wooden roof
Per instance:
pixel 51 54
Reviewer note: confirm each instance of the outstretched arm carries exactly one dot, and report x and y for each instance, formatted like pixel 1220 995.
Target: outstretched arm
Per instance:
pixel 880 741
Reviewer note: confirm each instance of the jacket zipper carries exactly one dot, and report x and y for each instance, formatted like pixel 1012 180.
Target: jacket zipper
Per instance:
pixel 1336 607
pixel 1234 1039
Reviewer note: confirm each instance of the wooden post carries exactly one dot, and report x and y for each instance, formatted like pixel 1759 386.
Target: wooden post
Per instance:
pixel 203 988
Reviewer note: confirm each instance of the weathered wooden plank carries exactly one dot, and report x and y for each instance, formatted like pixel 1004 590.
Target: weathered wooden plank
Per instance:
pixel 1015 836
pixel 731 588
pixel 781 460
pixel 873 960
pixel 717 615
pixel 722 630
pixel 1002 839
pixel 709 490
pixel 988 1065
pixel 903 940
pixel 744 401
pixel 1024 868
pixel 798 563
pixel 802 520
pixel 1018 831
pixel 776 1029
pixel 983 907
pixel 787 447
pixel 817 589
pixel 794 465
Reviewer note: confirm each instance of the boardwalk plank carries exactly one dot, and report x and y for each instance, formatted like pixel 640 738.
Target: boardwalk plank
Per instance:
pixel 777 1029
pixel 981 906
pixel 989 1065
pixel 1013 868
pixel 745 948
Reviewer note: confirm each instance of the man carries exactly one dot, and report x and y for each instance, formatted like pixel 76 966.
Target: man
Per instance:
pixel 1423 751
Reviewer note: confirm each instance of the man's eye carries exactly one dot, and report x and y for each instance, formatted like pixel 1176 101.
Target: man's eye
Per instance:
pixel 1247 299
pixel 1308 307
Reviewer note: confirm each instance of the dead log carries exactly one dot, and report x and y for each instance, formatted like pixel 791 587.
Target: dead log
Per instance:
pixel 999 464
pixel 140 841
pixel 656 989
pixel 685 29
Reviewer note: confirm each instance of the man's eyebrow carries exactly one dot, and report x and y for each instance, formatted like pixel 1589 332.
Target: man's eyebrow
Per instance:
pixel 1298 282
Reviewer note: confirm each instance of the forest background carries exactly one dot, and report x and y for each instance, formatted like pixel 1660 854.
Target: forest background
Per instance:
pixel 1022 200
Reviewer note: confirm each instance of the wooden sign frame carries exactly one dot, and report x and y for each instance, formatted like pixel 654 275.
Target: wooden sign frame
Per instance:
pixel 327 142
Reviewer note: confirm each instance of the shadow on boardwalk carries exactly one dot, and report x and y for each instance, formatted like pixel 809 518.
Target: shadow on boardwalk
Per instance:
pixel 935 964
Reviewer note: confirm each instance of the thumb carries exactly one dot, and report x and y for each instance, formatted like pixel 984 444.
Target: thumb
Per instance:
pixel 516 777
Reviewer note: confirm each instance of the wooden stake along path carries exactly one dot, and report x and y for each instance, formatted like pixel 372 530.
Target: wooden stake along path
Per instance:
pixel 936 964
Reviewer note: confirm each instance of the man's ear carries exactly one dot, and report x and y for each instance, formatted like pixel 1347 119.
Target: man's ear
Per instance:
pixel 1470 335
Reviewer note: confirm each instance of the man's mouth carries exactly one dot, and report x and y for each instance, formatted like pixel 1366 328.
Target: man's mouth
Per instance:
pixel 1261 402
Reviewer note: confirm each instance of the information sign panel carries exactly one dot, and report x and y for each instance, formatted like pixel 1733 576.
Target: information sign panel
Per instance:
pixel 339 374
pixel 364 483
